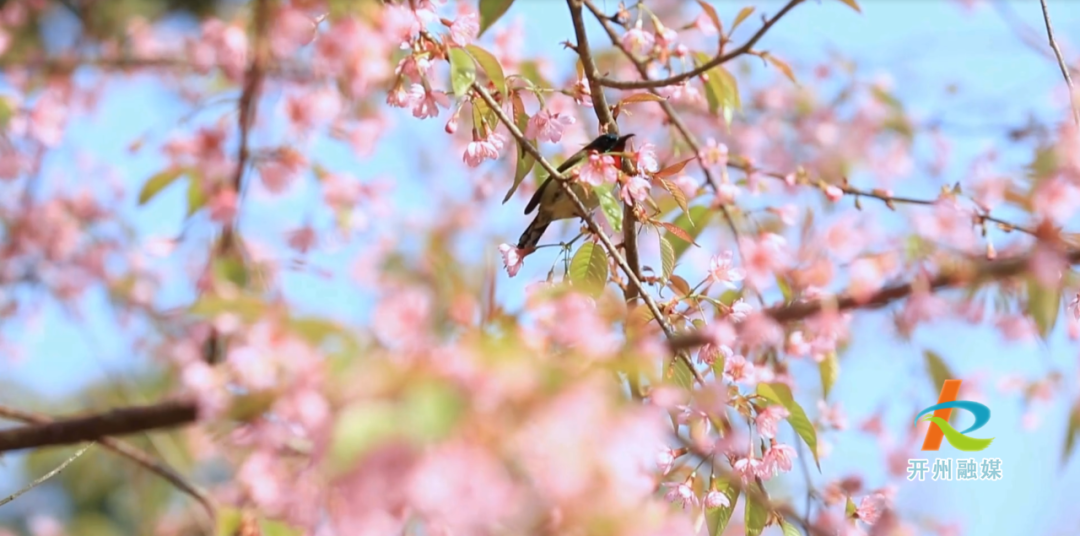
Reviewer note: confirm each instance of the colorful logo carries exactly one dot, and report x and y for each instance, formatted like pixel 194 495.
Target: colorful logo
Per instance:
pixel 939 421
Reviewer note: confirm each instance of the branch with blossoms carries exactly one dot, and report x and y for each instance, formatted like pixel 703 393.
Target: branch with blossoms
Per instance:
pixel 987 271
pixel 611 250
pixel 717 60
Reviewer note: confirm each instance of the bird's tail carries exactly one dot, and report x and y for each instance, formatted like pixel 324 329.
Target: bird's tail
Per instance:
pixel 531 237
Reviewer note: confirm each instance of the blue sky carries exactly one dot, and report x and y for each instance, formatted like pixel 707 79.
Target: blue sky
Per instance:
pixel 924 46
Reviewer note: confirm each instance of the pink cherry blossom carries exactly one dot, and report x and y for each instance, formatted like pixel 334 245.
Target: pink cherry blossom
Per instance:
pixel 638 40
pixel 748 468
pixel 513 258
pixel 762 258
pixel 425 103
pixel 545 125
pixel 715 499
pixel 599 169
pixel 681 493
pixel 768 419
pixel 479 150
pixel 645 158
pixel 778 459
pixel 636 190
pixel 722 270
pixel 714 153
pixel 464 29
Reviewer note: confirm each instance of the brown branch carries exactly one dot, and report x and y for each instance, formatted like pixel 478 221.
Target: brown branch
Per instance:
pixel 673 116
pixel 717 60
pixel 93 427
pixel 132 453
pixel 564 183
pixel 1061 62
pixel 37 482
pixel 603 114
pixel 988 270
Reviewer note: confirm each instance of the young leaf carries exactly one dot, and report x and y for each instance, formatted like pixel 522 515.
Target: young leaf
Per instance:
pixel 677 193
pixel 525 161
pixel 717 518
pixel 781 394
pixel 1044 304
pixel 673 169
pixel 713 16
pixel 612 211
pixel 589 268
pixel 852 4
pixel 849 508
pixel 462 71
pixel 641 97
pixel 490 65
pixel 1070 433
pixel 721 89
pixel 196 198
pixel 159 182
pixel 490 11
pixel 783 66
pixel 677 231
pixel 830 371
pixel 693 222
pixel 756 515
pixel 678 284
pixel 667 258
pixel 743 13
pixel 939 371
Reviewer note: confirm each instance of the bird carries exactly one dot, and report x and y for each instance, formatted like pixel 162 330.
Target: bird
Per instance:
pixel 552 201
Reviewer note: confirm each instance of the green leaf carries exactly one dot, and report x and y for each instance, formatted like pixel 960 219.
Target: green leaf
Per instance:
pixel 693 222
pixel 676 193
pixel 849 508
pixel 432 410
pixel 785 288
pixel 490 11
pixel 462 71
pixel 589 268
pixel 682 375
pixel 939 371
pixel 247 307
pixel 272 527
pixel 525 161
pixel 1070 433
pixel 713 16
pixel 1044 304
pixel 196 198
pixel 830 371
pixel 612 211
pixel 781 394
pixel 789 529
pixel 721 89
pixel 159 182
pixel 717 518
pixel 667 258
pixel 756 515
pixel 490 65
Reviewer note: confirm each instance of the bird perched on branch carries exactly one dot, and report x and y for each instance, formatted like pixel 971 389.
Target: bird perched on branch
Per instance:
pixel 553 202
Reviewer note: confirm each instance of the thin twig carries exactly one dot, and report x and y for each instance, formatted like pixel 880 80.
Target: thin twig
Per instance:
pixel 611 250
pixel 45 477
pixel 1061 62
pixel 718 60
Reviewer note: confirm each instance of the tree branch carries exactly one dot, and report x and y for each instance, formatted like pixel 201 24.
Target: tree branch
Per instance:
pixel 132 453
pixel 988 270
pixel 1061 62
pixel 603 114
pixel 717 60
pixel 93 427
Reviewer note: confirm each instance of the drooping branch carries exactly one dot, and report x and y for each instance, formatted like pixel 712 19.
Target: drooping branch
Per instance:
pixel 132 453
pixel 719 59
pixel 564 183
pixel 986 271
pixel 96 426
